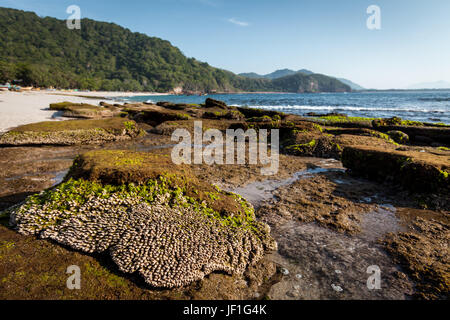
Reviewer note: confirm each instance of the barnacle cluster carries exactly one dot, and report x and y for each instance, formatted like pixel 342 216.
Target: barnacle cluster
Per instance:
pixel 67 137
pixel 72 132
pixel 153 228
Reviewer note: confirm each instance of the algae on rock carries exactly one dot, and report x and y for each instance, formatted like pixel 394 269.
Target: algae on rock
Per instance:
pixel 71 132
pixel 153 218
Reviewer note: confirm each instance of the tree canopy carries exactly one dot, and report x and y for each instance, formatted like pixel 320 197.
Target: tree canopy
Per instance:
pixel 104 56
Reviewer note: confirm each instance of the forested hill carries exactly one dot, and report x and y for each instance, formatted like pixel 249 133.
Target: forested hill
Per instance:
pixel 104 56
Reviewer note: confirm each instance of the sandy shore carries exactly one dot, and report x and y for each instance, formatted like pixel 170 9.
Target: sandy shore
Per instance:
pixel 18 108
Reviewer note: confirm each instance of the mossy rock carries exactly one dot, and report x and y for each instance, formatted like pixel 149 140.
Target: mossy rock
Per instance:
pixel 398 136
pixel 168 127
pixel 345 121
pixel 395 121
pixel 299 132
pixel 151 216
pixel 211 103
pixel 83 110
pixel 303 148
pixel 421 134
pixel 415 171
pixel 215 109
pixel 229 114
pixel 262 119
pixel 71 132
pixel 159 115
pixel 361 132
pixel 177 106
pixel 388 138
pixel 254 112
pixel 288 131
pixel 110 106
pixel 67 106
pixel 386 122
pixel 313 145
pixel 121 167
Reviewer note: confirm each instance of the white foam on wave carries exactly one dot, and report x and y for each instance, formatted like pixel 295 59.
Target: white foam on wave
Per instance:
pixel 349 108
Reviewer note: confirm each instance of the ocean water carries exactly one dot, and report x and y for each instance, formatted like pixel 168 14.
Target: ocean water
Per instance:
pixel 428 106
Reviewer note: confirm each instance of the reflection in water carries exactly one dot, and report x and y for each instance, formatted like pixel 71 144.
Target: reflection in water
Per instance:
pixel 260 191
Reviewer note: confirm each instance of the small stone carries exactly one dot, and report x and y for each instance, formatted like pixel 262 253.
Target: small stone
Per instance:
pixel 298 276
pixel 338 271
pixel 284 271
pixel 337 288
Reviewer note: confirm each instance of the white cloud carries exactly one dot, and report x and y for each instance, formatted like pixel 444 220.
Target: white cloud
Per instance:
pixel 238 23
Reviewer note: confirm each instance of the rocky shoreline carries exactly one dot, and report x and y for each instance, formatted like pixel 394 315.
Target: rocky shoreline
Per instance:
pixel 350 193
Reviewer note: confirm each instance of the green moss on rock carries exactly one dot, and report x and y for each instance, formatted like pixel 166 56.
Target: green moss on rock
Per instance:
pixel 83 110
pixel 153 218
pixel 420 173
pixel 398 136
pixel 303 148
pixel 384 136
pixel 254 112
pixel 71 132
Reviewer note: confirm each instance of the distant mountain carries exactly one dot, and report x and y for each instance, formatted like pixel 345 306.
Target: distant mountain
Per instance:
pixel 352 85
pixel 276 74
pixel 431 85
pixel 288 72
pixel 300 82
pixel 287 80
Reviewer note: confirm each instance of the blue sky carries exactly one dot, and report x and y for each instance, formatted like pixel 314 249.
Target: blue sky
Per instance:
pixel 325 36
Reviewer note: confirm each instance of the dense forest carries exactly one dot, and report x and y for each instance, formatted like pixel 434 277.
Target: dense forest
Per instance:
pixel 104 56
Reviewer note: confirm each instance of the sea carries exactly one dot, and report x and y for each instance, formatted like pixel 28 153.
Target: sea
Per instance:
pixel 427 106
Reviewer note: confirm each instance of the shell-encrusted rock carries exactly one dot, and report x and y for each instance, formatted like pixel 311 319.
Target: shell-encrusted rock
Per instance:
pixel 170 245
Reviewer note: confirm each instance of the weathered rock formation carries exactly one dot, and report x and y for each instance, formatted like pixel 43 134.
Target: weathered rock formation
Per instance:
pixel 150 216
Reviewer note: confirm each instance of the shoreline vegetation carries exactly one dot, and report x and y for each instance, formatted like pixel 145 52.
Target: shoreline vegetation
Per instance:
pixel 351 193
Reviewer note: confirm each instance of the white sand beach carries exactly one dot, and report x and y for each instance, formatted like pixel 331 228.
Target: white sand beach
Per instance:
pixel 18 108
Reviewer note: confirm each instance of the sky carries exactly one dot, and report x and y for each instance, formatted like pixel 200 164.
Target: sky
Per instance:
pixel 325 36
